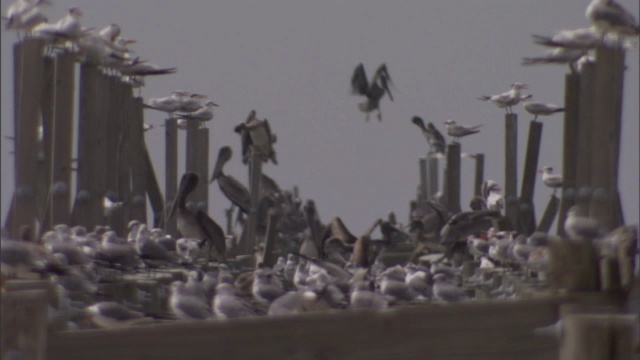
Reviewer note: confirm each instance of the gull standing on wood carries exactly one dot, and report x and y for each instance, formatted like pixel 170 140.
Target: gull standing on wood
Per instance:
pixel 168 104
pixel 186 306
pixel 538 108
pixel 559 55
pixel 192 103
pixel 583 38
pixel 507 99
pixel 25 15
pixel 609 16
pixel 137 67
pixel 550 179
pixel 580 227
pixel 111 315
pixel 373 91
pixel 457 131
pixel 67 28
pixel 205 113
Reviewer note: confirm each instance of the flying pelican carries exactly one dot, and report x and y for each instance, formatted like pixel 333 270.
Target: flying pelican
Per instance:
pixel 437 143
pixel 373 91
pixel 256 134
pixel 538 108
pixel 507 99
pixel 457 131
pixel 550 179
pixel 233 189
pixel 197 225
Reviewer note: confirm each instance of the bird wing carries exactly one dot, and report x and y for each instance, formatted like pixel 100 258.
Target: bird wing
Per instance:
pixel 359 83
pixel 382 75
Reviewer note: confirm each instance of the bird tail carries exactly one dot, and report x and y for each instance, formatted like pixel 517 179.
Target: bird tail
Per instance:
pixel 532 61
pixel 558 110
pixel 484 98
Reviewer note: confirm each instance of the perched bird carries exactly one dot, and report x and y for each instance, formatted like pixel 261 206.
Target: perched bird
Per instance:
pixel 446 291
pixel 67 28
pixel 457 131
pixel 137 67
pixel 373 91
pixel 256 136
pixel 363 296
pixel 111 315
pixel 467 223
pixel 24 15
pixel 437 143
pixel 583 38
pixel 550 179
pixel 537 108
pixel 580 227
pixel 293 302
pixel 192 102
pixel 226 305
pixel 266 286
pixel 609 16
pixel 168 104
pixel 186 306
pixel 558 55
pixel 205 113
pixel 507 99
pixel 233 189
pixel 491 192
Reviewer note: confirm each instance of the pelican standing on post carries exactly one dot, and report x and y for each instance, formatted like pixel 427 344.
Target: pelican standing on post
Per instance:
pixel 373 91
pixel 197 225
pixel 230 186
pixel 256 136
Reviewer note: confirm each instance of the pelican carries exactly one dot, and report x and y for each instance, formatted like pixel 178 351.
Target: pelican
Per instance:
pixel 550 179
pixel 437 143
pixel 538 108
pixel 457 131
pixel 373 91
pixel 197 225
pixel 507 99
pixel 233 189
pixel 256 134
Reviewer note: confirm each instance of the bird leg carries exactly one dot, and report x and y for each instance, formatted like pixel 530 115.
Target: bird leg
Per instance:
pixel 379 115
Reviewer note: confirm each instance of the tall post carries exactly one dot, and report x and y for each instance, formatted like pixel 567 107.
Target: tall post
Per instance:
pixel 605 147
pixel 527 211
pixel 45 144
pixel 138 164
pixel 28 70
pixel 570 146
pixel 126 145
pixel 585 124
pixel 479 175
pixel 153 190
pixel 203 168
pixel 432 176
pixel 192 162
pixel 549 215
pixel 423 194
pixel 453 177
pixel 115 130
pixel 171 171
pixel 249 233
pixel 511 169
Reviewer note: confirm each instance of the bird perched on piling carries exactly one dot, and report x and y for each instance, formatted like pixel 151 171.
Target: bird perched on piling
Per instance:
pixel 550 179
pixel 233 189
pixel 558 55
pixel 507 99
pixel 256 136
pixel 437 143
pixel 137 67
pixel 205 113
pixel 167 104
pixel 373 91
pixel 609 16
pixel 580 227
pixel 457 131
pixel 24 15
pixel 583 38
pixel 491 193
pixel 538 108
pixel 111 315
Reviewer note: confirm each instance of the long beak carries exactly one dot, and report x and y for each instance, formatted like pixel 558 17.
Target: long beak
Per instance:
pixel 173 207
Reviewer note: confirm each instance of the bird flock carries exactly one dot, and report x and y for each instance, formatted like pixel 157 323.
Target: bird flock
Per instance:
pixel 321 266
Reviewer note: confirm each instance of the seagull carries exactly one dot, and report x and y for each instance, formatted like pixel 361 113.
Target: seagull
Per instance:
pixel 458 131
pixel 363 296
pixel 559 55
pixel 205 113
pixel 168 104
pixel 538 108
pixel 507 99
pixel 446 291
pixel 138 67
pixel 28 20
pixel 111 315
pixel 192 102
pixel 186 306
pixel 373 91
pixel 110 33
pixel 226 305
pixel 492 196
pixel 67 28
pixel 580 227
pixel 609 16
pixel 583 38
pixel 437 143
pixel 550 179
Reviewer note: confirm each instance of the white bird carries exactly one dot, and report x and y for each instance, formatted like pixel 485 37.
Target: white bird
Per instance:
pixel 138 67
pixel 168 104
pixel 205 113
pixel 110 32
pixel 18 8
pixel 583 38
pixel 559 55
pixel 507 99
pixel 457 131
pixel 491 192
pixel 550 179
pixel 67 28
pixel 185 306
pixel 609 16
pixel 192 102
pixel 28 20
pixel 580 227
pixel 538 108
pixel 111 315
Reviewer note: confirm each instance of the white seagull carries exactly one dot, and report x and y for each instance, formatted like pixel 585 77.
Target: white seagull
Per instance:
pixel 205 113
pixel 538 108
pixel 168 104
pixel 609 16
pixel 457 131
pixel 67 28
pixel 583 38
pixel 558 55
pixel 507 99
pixel 550 179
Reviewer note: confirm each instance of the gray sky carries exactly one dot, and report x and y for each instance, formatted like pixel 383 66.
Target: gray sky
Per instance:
pixel 291 61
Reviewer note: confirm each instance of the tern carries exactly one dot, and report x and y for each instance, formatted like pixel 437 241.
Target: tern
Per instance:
pixel 609 16
pixel 583 38
pixel 457 131
pixel 507 99
pixel 538 108
pixel 373 91
pixel 550 179
pixel 558 55
pixel 168 104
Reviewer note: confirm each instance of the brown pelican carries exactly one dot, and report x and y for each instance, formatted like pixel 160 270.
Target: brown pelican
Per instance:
pixel 197 225
pixel 373 91
pixel 256 134
pixel 437 143
pixel 233 189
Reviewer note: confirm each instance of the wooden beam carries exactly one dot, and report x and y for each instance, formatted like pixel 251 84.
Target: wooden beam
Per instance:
pixel 527 212
pixel 453 177
pixel 549 215
pixel 423 192
pixel 115 130
pixel 138 164
pixel 432 176
pixel 28 81
pixel 23 322
pixel 45 146
pixel 171 171
pixel 583 135
pixel 248 239
pixel 126 146
pixel 511 169
pixel 268 257
pixel 153 190
pixel 599 336
pixel 203 167
pixel 479 175
pixel 570 146
pixel 191 161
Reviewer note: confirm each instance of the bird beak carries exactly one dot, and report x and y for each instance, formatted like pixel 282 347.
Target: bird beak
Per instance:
pixel 130 42
pixel 216 105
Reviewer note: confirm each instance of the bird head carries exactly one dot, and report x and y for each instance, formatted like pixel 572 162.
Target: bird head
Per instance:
pixel 519 86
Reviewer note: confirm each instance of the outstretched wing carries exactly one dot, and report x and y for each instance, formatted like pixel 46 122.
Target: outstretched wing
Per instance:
pixel 382 75
pixel 359 83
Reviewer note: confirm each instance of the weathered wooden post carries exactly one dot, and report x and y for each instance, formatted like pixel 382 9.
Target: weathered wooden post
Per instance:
pixel 170 172
pixel 511 169
pixel 479 175
pixel 153 190
pixel 193 151
pixel 138 164
pixel 423 188
pixel 605 135
pixel 28 84
pixel 125 150
pixel 570 146
pixel 249 233
pixel 585 126
pixel 23 322
pixel 527 213
pixel 45 145
pixel 599 336
pixel 432 176
pixel 453 177
pixel 268 257
pixel 115 129
pixel 549 215
pixel 203 168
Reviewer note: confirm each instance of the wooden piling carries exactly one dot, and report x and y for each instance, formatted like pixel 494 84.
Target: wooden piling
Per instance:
pixel 170 171
pixel 511 169
pixel 138 163
pixel 583 135
pixel 479 175
pixel 432 176
pixel 570 146
pixel 115 130
pixel 453 178
pixel 28 84
pixel 423 193
pixel 268 257
pixel 248 239
pixel 203 168
pixel 153 190
pixel 191 160
pixel 527 210
pixel 23 328
pixel 605 134
pixel 549 215
pixel 126 147
pixel 599 336
pixel 45 145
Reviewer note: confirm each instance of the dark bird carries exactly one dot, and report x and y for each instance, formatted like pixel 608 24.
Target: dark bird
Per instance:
pixel 256 136
pixel 364 253
pixel 437 143
pixel 373 91
pixel 197 225
pixel 467 223
pixel 233 189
